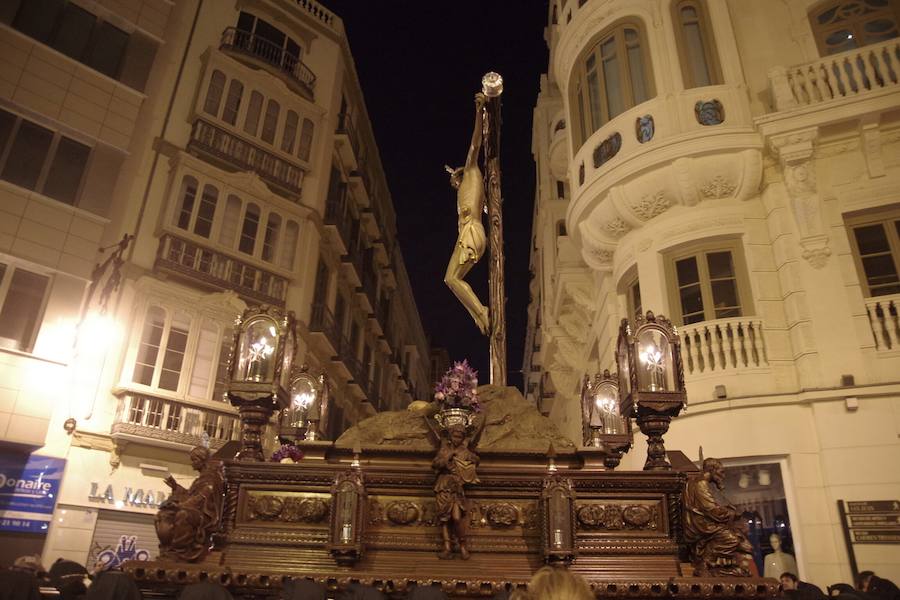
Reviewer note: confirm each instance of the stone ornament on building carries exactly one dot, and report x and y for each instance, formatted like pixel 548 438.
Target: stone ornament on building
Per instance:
pixel 616 227
pixel 709 112
pixel 644 128
pixel 651 205
pixel 607 149
pixel 717 187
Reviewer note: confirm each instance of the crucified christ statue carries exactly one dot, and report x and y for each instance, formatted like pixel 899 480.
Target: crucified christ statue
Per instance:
pixel 470 242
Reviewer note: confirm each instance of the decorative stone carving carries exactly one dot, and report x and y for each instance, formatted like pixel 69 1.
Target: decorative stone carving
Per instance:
pixel 617 227
pixel 617 516
pixel 644 128
pixel 651 205
pixel 287 509
pixel 717 187
pixel 709 112
pixel 607 149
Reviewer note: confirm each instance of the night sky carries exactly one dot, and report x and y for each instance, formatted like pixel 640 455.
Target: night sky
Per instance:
pixel 420 64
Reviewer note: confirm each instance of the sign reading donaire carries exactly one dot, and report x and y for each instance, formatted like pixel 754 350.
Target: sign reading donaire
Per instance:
pixel 29 486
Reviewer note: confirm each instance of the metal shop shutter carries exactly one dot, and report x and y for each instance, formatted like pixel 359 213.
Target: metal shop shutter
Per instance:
pixel 107 543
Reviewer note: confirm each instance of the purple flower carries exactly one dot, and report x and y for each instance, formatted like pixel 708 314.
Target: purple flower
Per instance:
pixel 458 387
pixel 287 451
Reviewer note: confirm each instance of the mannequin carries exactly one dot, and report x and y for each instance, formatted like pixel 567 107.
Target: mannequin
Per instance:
pixel 778 561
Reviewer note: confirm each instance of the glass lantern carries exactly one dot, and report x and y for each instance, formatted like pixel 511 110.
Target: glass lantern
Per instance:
pixel 256 353
pixel 558 520
pixel 304 398
pixel 603 424
pixel 348 517
pixel 651 376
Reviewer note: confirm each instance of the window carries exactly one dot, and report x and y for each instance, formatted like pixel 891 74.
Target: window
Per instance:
pixel 612 76
pixel 306 140
pixel 233 102
pixel 206 212
pixel 41 160
pixel 200 214
pixel 635 308
pixel 848 24
pixel 161 350
pixel 207 380
pixel 251 122
pixel 289 251
pixel 290 132
pixel 230 221
pixel 270 122
pixel 188 196
pixel 22 295
pixel 875 240
pixel 560 190
pixel 323 275
pixel 75 32
pixel 270 238
pixel 214 93
pixel 561 228
pixel 708 283
pixel 696 46
pixel 249 228
pixel 268 42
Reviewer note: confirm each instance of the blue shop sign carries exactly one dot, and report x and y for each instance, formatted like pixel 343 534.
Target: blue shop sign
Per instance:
pixel 29 486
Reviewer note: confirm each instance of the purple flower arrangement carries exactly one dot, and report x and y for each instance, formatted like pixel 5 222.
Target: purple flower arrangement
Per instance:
pixel 287 451
pixel 458 388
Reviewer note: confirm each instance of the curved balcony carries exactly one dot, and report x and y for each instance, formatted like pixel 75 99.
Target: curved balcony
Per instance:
pixel 260 50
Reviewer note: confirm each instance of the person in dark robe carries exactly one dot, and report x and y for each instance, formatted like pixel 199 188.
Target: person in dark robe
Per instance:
pixel 188 518
pixel 113 585
pixel 877 587
pixel 794 589
pixel 719 545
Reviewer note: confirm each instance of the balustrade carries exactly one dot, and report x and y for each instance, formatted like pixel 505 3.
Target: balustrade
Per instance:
pixel 150 418
pixel 231 148
pixel 272 54
pixel 219 270
pixel 847 74
pixel 715 346
pixel 883 319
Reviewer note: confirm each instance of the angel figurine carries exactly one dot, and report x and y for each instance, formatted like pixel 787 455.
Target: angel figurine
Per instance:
pixel 455 465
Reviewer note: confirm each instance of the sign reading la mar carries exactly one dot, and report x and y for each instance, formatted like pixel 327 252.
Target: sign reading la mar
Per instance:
pixel 29 486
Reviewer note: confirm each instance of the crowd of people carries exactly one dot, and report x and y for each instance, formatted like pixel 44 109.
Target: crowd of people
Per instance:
pixel 28 580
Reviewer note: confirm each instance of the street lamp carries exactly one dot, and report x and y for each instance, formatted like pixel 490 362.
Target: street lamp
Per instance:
pixel 259 371
pixel 603 424
pixel 651 380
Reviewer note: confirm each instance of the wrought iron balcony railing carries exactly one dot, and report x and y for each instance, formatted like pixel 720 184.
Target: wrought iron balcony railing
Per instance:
pixel 232 149
pixel 217 270
pixel 272 54
pixel 337 215
pixel 322 321
pixel 169 422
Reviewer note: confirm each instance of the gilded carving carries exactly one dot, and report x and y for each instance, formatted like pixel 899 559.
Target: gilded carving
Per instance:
pixel 288 509
pixel 403 512
pixel 617 516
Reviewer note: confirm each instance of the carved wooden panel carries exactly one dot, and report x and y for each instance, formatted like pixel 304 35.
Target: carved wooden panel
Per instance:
pixel 286 507
pixel 618 516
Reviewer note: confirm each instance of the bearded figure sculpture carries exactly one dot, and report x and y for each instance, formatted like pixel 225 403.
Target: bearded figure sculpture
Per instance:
pixel 714 529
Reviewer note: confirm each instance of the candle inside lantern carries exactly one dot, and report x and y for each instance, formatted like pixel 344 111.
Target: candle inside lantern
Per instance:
pixel 557 538
pixel 346 533
pixel 653 361
pixel 257 359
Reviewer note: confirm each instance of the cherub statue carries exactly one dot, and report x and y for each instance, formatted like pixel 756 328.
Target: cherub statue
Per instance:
pixel 187 519
pixel 714 530
pixel 470 241
pixel 455 465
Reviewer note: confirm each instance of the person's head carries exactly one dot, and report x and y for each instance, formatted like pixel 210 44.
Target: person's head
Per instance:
pixel 555 584
pixel 788 581
pixel 30 563
pixel 863 579
pixel 712 467
pixel 775 541
pixel 840 588
pixel 456 176
pixel 199 455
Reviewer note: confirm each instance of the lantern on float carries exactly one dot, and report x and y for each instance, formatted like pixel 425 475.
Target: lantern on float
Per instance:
pixel 348 514
pixel 603 424
pixel 651 380
pixel 259 372
pixel 308 407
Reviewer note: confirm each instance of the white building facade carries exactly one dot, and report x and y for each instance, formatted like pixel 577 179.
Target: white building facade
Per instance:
pixel 233 143
pixel 734 166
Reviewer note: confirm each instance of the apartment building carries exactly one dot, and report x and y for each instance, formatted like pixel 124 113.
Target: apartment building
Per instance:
pixel 232 142
pixel 734 166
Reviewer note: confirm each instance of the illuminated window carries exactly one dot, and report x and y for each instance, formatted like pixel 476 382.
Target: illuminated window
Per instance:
pixel 611 77
pixel 848 24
